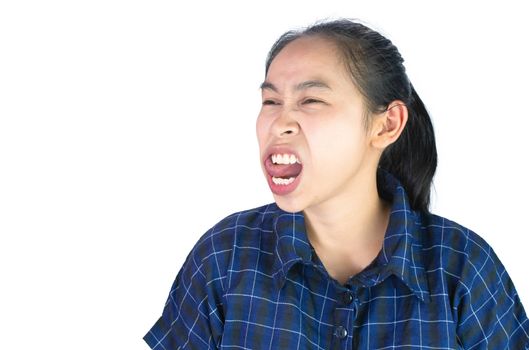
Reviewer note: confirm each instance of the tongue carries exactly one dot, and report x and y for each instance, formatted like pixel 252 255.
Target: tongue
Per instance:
pixel 283 170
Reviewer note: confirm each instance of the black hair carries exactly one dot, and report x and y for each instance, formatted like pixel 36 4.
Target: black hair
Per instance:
pixel 377 70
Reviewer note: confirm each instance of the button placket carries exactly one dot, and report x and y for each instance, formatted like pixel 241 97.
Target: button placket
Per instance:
pixel 345 313
pixel 355 308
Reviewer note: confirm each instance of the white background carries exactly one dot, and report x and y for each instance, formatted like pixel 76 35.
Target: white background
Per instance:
pixel 127 130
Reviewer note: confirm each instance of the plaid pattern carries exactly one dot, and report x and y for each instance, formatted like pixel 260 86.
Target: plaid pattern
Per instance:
pixel 253 281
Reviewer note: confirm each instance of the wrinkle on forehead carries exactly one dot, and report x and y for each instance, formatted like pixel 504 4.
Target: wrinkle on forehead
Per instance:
pixel 308 84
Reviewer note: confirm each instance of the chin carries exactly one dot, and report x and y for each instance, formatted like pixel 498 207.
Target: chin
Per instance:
pixel 288 205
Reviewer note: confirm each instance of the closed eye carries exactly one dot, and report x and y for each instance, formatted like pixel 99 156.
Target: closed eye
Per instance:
pixel 311 100
pixel 269 102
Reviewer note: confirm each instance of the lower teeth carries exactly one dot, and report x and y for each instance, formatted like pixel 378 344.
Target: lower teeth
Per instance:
pixel 280 181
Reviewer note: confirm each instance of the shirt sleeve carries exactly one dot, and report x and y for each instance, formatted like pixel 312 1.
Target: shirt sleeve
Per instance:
pixel 192 316
pixel 489 311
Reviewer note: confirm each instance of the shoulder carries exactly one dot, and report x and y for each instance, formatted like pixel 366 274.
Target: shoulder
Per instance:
pixel 451 235
pixel 223 234
pixel 214 250
pixel 462 254
pixel 464 270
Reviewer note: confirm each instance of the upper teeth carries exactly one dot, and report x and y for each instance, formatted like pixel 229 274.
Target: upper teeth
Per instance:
pixel 284 159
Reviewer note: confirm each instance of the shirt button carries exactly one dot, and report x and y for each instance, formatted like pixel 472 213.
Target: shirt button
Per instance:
pixel 340 332
pixel 347 298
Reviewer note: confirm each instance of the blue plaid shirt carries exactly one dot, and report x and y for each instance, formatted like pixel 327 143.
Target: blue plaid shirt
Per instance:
pixel 253 281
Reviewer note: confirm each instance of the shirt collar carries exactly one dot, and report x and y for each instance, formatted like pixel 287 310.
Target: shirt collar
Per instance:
pixel 401 253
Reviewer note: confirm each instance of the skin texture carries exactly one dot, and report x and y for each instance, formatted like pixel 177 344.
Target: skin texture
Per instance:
pixel 345 218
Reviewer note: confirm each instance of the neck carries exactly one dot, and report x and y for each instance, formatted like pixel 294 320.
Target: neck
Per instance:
pixel 350 226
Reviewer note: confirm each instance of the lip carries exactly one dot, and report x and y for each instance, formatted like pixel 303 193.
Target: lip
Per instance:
pixel 282 190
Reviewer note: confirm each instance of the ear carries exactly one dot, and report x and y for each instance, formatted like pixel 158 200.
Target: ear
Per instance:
pixel 388 125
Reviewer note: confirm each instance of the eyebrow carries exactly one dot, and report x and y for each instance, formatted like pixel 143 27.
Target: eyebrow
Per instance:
pixel 301 86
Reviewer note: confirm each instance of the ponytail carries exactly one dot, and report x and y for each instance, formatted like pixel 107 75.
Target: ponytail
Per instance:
pixel 412 159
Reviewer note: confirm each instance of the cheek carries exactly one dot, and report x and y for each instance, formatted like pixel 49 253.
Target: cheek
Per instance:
pixel 336 142
pixel 261 129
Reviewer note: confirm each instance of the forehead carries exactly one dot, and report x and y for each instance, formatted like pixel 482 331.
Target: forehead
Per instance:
pixel 308 58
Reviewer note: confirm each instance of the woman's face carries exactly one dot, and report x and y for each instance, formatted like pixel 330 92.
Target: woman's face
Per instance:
pixel 312 109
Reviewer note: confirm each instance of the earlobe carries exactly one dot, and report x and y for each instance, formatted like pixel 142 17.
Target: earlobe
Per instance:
pixel 391 123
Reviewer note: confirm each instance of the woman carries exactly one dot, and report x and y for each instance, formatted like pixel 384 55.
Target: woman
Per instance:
pixel 349 255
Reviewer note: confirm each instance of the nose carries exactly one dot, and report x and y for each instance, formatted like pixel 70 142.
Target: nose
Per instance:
pixel 285 125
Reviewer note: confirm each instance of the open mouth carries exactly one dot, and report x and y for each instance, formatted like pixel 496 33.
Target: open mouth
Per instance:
pixel 284 170
pixel 282 167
